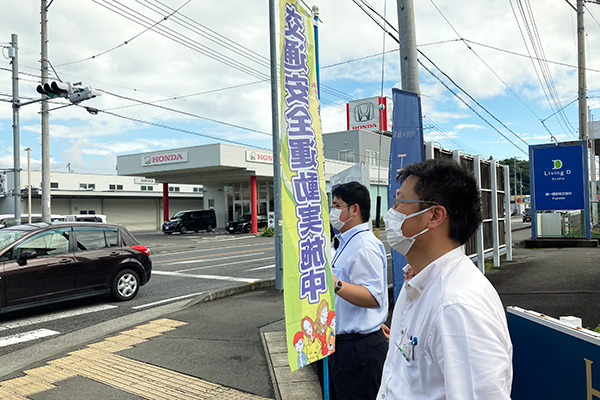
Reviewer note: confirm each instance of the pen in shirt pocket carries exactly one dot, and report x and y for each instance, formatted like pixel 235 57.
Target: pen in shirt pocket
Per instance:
pixel 412 344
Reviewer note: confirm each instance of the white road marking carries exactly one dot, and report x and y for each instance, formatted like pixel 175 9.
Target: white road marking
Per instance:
pixel 215 277
pixel 211 249
pixel 211 259
pixel 223 265
pixel 26 337
pixel 259 268
pixel 167 300
pixel 53 316
pixel 233 238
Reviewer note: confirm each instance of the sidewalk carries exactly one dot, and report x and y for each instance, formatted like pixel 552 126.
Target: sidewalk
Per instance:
pixel 233 347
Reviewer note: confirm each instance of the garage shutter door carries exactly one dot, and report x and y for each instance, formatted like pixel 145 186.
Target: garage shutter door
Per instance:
pixel 136 215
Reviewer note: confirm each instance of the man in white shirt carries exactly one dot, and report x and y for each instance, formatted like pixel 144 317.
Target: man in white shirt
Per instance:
pixel 361 305
pixel 449 338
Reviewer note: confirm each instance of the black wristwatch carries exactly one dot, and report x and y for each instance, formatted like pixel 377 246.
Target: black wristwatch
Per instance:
pixel 338 286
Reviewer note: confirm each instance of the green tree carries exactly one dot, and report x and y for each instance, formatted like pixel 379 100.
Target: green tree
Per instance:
pixel 522 174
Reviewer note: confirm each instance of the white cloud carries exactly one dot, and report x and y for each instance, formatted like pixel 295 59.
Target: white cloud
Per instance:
pixel 151 68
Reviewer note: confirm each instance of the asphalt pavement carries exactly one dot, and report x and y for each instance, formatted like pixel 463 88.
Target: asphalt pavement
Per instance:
pixel 227 344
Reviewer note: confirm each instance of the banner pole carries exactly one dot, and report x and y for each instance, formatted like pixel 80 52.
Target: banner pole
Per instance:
pixel 315 10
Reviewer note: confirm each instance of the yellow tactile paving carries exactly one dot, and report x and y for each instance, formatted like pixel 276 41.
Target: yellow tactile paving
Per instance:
pixel 99 363
pixel 6 394
pixel 49 373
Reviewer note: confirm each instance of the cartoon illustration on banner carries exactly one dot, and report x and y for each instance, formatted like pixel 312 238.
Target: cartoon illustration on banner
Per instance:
pixel 308 292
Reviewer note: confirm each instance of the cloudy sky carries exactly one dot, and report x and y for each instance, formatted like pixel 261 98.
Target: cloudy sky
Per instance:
pixel 205 72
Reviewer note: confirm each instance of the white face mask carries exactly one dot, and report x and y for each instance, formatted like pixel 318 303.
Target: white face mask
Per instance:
pixel 393 225
pixel 334 219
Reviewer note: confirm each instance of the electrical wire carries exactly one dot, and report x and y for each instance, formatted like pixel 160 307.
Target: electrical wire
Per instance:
pixel 192 44
pixel 126 42
pixel 184 113
pixel 546 80
pixel 491 70
pixel 141 121
pixel 447 87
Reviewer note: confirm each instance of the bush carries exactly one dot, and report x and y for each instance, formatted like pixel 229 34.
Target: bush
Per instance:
pixel 267 231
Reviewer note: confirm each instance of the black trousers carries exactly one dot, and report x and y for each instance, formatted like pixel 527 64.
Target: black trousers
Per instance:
pixel 357 365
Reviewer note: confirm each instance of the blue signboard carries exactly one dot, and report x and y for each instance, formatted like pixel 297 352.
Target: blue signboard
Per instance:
pixel 552 360
pixel 559 180
pixel 406 148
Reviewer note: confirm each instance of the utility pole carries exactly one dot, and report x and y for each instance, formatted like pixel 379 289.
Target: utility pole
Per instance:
pixel 409 67
pixel 14 54
pixel 582 93
pixel 276 149
pixel 45 119
pixel 593 191
pixel 515 163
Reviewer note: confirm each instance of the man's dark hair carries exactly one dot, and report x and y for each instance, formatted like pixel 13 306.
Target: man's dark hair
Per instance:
pixel 355 193
pixel 452 186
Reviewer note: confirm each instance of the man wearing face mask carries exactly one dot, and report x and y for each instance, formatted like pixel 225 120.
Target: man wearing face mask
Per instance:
pixel 449 338
pixel 361 304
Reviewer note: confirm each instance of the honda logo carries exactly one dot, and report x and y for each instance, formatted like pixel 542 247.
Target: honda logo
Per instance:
pixel 364 112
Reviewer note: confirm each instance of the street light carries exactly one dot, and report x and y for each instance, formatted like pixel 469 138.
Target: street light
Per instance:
pixel 28 150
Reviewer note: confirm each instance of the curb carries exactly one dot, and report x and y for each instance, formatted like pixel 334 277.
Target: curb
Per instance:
pixel 219 294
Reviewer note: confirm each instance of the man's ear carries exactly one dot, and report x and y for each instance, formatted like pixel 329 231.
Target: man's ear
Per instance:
pixel 439 215
pixel 355 209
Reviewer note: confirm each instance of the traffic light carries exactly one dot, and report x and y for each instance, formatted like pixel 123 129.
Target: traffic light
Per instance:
pixel 80 94
pixel 55 89
pixel 74 93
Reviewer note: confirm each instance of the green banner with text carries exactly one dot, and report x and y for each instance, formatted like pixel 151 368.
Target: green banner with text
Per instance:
pixel 308 290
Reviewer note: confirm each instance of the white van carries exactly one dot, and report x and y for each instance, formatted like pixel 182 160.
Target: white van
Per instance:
pixel 84 218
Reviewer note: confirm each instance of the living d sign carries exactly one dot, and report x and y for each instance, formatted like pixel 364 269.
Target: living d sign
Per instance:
pixel 164 158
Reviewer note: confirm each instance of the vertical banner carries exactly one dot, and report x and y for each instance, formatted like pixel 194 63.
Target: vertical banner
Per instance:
pixel 406 148
pixel 308 289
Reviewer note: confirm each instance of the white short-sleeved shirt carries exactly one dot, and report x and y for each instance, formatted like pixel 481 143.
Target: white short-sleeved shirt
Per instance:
pixel 463 348
pixel 360 260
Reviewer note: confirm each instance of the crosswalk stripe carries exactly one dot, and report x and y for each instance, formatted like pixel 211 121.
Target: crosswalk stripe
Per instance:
pixel 259 268
pixel 53 316
pixel 26 337
pixel 215 277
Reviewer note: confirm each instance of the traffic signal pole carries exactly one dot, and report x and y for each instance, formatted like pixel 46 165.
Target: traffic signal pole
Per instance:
pixel 16 137
pixel 45 119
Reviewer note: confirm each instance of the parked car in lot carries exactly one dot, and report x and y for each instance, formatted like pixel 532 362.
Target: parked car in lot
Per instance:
pixel 191 220
pixel 83 218
pixel 46 263
pixel 244 224
pixel 527 214
pixel 9 219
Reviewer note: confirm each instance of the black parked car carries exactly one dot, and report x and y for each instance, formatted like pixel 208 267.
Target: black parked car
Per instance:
pixel 244 224
pixel 45 263
pixel 527 214
pixel 191 220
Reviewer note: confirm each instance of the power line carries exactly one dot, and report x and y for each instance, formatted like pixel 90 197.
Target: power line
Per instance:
pixel 126 42
pixel 184 113
pixel 141 121
pixel 528 56
pixel 192 44
pixel 446 86
pixel 471 108
pixel 490 68
pixel 547 83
